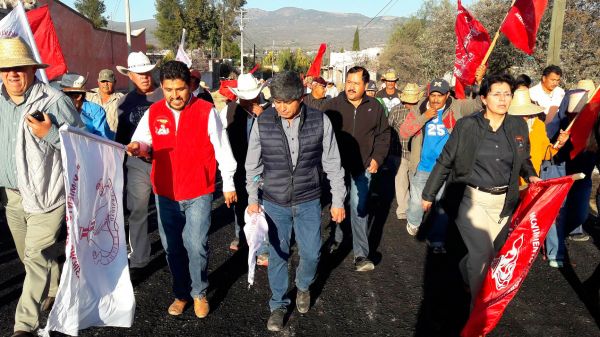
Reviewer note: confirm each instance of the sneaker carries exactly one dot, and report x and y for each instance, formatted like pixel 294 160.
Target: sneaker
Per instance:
pixel 177 307
pixel 201 307
pixel 412 230
pixel 263 260
pixel 579 237
pixel 234 245
pixel 555 263
pixel 363 264
pixel 303 301
pixel 275 322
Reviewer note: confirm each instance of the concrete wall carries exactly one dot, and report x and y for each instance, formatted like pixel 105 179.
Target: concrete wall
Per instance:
pixel 88 50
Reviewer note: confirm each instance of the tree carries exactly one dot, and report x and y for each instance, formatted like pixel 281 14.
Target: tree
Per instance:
pixel 169 20
pixel 93 10
pixel 226 16
pixel 356 42
pixel 198 20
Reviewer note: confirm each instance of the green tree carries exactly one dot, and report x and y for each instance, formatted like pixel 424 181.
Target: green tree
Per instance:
pixel 93 10
pixel 356 42
pixel 199 21
pixel 169 20
pixel 226 19
pixel 285 60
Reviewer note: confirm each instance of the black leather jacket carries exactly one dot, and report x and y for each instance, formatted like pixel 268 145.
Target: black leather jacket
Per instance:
pixel 456 161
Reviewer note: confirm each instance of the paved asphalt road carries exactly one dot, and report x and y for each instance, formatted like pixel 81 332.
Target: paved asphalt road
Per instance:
pixel 410 293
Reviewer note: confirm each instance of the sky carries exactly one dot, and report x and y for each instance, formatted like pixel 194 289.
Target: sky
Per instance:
pixel 142 10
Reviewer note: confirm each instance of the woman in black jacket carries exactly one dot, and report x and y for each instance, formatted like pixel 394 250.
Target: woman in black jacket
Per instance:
pixel 481 162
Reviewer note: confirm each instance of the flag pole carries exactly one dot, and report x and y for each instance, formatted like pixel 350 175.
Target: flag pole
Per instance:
pixel 36 53
pixel 574 119
pixel 493 44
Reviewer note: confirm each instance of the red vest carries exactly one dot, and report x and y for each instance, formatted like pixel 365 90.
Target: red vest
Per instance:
pixel 183 165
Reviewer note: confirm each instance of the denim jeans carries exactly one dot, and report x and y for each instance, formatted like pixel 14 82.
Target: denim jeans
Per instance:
pixel 414 215
pixel 572 214
pixel 359 214
pixel 183 227
pixel 305 220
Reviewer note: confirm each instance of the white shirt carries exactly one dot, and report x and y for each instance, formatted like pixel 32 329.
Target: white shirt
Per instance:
pixel 544 99
pixel 218 138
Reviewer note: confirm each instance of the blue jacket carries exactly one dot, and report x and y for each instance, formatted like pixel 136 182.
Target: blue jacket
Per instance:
pixel 94 118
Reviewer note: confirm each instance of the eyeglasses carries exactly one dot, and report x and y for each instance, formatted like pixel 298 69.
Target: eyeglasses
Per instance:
pixel 499 95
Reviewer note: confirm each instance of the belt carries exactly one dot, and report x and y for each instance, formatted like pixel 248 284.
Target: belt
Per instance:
pixel 491 190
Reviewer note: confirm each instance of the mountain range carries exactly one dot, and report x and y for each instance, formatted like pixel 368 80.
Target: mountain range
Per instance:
pixel 291 27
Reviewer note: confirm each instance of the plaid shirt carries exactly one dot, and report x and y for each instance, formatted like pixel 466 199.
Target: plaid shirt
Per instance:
pixel 396 117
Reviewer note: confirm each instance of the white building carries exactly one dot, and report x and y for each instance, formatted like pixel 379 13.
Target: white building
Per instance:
pixel 339 63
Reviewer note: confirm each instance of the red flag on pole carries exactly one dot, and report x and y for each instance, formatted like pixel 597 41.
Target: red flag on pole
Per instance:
pixel 522 22
pixel 47 41
pixel 315 67
pixel 583 124
pixel 459 89
pixel 538 209
pixel 472 42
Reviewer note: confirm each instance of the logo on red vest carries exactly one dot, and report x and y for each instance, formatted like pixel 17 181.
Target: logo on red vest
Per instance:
pixel 162 126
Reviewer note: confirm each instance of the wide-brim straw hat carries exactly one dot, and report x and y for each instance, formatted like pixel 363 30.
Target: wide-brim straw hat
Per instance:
pixel 137 62
pixel 411 93
pixel 390 76
pixel 521 104
pixel 248 87
pixel 587 85
pixel 14 52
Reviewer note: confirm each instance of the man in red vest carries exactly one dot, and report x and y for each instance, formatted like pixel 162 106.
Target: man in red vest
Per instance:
pixel 185 138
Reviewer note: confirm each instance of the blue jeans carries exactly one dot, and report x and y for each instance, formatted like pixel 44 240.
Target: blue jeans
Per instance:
pixel 183 228
pixel 305 220
pixel 414 214
pixel 572 214
pixel 359 214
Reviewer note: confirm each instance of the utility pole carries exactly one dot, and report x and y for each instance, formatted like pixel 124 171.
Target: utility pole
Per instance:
pixel 128 27
pixel 273 59
pixel 254 53
pixel 556 29
pixel 241 41
pixel 222 30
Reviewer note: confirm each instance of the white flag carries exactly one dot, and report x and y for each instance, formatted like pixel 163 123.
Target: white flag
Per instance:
pixel 256 231
pixel 14 24
pixel 181 55
pixel 95 289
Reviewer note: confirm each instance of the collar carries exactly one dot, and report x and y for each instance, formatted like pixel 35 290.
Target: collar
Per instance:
pixel 25 96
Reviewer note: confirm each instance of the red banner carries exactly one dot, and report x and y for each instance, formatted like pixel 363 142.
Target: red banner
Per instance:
pixel 47 41
pixel 315 67
pixel 583 125
pixel 522 22
pixel 224 89
pixel 538 209
pixel 472 42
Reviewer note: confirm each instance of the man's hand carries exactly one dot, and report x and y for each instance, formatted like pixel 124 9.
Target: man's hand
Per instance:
pixel 338 214
pixel 39 129
pixel 134 149
pixel 426 205
pixel 534 179
pixel 431 113
pixel 373 167
pixel 257 109
pixel 562 139
pixel 253 209
pixel 230 198
pixel 479 73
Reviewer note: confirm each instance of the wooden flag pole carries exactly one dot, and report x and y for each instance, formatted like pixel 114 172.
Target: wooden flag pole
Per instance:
pixel 574 119
pixel 493 44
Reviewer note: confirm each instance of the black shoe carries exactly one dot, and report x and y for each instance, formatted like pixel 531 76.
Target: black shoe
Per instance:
pixel 275 322
pixel 303 301
pixel 20 333
pixel 363 264
pixel 48 303
pixel 333 247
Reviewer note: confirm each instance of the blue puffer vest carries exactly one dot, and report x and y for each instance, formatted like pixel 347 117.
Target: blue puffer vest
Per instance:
pixel 284 185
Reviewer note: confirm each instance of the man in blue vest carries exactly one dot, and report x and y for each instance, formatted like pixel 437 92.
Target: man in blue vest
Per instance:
pixel 289 147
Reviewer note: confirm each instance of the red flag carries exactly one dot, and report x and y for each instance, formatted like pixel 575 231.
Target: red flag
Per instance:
pixel 522 22
pixel 583 125
pixel 459 89
pixel 47 41
pixel 224 89
pixel 315 67
pixel 472 43
pixel 254 69
pixel 531 221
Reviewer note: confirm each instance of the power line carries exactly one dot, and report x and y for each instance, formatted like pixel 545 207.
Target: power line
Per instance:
pixel 381 10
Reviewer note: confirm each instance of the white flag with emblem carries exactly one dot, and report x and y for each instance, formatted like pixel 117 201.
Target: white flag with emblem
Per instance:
pixel 95 289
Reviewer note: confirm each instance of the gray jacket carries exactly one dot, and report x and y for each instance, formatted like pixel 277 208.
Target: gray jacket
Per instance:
pixel 39 164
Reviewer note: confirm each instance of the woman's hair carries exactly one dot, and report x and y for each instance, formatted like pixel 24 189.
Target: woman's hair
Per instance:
pixel 488 81
pixel 523 80
pixel 286 86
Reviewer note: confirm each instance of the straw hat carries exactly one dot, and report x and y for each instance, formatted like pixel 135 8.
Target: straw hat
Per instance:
pixel 248 87
pixel 521 104
pixel 72 83
pixel 137 62
pixel 411 93
pixel 390 76
pixel 14 52
pixel 587 85
pixel 585 89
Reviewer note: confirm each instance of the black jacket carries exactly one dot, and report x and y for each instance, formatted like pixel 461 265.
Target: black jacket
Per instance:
pixel 362 133
pixel 456 161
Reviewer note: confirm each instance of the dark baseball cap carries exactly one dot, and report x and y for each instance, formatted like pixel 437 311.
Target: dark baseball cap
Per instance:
pixel 439 85
pixel 319 80
pixel 372 86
